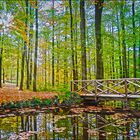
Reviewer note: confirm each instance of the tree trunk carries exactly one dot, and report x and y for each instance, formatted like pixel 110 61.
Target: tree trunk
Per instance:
pixel 24 49
pixel 125 73
pixel 134 40
pixel 17 77
pixel 119 44
pixel 27 61
pixel 72 43
pixel 99 51
pixel 57 69
pixel 36 48
pixel 139 44
pixel 45 57
pixel 53 43
pixel 83 39
pixel 30 48
pixel 76 40
pixel 113 56
pixel 3 75
pixel 89 57
pixel 65 56
pixel 22 67
pixel 1 51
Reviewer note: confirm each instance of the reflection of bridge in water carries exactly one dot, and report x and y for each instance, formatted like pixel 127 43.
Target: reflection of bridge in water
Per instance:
pixel 125 89
pixel 80 126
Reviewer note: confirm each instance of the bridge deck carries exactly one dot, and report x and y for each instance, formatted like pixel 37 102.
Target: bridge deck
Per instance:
pixel 110 96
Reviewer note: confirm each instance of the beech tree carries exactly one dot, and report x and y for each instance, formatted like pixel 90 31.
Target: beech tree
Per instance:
pixel 99 51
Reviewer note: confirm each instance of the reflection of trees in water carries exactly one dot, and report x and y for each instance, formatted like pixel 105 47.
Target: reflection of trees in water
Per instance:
pixel 85 126
pixel 100 122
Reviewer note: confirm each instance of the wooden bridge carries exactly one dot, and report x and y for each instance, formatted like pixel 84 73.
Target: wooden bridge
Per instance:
pixel 110 89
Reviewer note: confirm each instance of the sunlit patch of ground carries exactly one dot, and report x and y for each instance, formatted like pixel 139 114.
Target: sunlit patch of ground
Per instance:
pixel 11 93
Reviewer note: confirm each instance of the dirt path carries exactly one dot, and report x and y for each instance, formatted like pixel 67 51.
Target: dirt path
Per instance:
pixel 10 92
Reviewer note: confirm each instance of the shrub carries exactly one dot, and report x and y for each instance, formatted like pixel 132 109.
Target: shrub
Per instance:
pixel 36 101
pixel 69 98
pixel 47 102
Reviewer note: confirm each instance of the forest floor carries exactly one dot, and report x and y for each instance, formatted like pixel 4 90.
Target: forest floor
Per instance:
pixel 10 92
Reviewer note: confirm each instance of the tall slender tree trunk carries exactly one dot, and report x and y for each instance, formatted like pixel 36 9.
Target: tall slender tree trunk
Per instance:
pixel 99 51
pixel 72 43
pixel 27 67
pixel 89 57
pixel 31 66
pixel 57 69
pixel 113 56
pixel 125 72
pixel 1 52
pixel 128 58
pixel 119 44
pixel 83 39
pixel 30 48
pixel 139 44
pixel 36 48
pixel 28 59
pixel 45 57
pixel 17 77
pixel 24 49
pixel 22 67
pixel 49 67
pixel 76 42
pixel 53 43
pixel 3 75
pixel 65 55
pixel 134 40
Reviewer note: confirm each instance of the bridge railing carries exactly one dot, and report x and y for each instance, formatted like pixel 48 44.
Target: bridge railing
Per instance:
pixel 124 86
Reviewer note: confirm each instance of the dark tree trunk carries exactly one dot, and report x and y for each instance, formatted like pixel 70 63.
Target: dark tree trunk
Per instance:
pixel 36 48
pixel 83 39
pixel 53 43
pixel 119 44
pixel 27 66
pixel 31 66
pixel 65 56
pixel 76 40
pixel 30 48
pixel 89 57
pixel 57 69
pixel 17 77
pixel 139 44
pixel 3 75
pixel 22 67
pixel 28 60
pixel 1 51
pixel 113 56
pixel 45 57
pixel 128 58
pixel 24 49
pixel 125 72
pixel 99 51
pixel 134 40
pixel 72 43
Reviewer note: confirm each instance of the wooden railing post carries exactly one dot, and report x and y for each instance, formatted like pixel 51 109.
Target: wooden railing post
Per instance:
pixel 125 84
pixel 126 93
pixel 107 86
pixel 95 84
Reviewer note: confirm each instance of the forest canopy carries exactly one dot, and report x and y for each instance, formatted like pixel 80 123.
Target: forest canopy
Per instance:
pixel 44 44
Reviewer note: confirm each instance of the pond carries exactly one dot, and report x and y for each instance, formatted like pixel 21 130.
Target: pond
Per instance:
pixel 90 123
